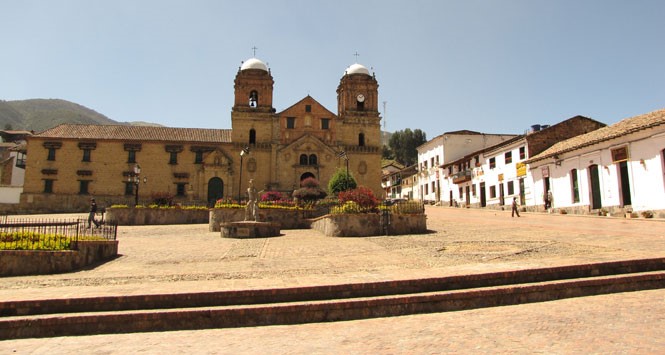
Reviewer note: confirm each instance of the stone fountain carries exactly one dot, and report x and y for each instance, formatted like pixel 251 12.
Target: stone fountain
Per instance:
pixel 251 227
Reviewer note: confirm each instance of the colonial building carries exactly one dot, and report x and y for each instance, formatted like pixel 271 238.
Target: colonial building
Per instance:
pixel 494 175
pixel 391 180
pixel 12 165
pixel 443 149
pixel 409 179
pixel 617 168
pixel 70 163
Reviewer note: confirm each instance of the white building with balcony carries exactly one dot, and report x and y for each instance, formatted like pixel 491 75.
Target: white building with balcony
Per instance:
pixel 492 176
pixel 445 148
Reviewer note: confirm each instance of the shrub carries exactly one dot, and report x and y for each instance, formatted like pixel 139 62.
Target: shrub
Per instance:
pixel 228 203
pixel 272 196
pixel 647 214
pixel 347 207
pixel 340 181
pixel 281 204
pixel 310 182
pixel 33 241
pixel 363 196
pixel 161 198
pixel 310 191
pixel 329 201
pixel 408 207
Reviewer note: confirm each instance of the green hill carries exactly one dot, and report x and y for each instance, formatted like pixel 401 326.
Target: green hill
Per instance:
pixel 41 114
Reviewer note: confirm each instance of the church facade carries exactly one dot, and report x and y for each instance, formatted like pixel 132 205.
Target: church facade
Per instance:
pixel 68 164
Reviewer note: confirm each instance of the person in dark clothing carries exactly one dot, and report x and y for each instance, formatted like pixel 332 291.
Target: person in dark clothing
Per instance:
pixel 91 215
pixel 515 208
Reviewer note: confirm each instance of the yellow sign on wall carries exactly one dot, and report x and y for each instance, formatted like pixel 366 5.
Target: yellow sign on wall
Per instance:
pixel 521 169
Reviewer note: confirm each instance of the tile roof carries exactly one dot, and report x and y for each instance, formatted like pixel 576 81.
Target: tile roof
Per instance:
pixel 621 128
pixel 142 133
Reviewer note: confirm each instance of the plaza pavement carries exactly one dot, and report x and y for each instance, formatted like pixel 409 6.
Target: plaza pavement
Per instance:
pixel 188 258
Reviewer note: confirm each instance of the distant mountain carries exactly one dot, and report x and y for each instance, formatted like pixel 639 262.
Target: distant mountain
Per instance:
pixel 41 114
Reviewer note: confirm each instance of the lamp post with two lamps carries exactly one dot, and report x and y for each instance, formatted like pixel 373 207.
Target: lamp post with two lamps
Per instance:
pixel 135 178
pixel 243 152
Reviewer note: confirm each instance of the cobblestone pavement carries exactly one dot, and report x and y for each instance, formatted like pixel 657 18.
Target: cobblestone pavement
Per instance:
pixel 170 259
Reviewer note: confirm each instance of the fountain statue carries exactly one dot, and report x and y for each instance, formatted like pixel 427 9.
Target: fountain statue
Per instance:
pixel 252 208
pixel 250 227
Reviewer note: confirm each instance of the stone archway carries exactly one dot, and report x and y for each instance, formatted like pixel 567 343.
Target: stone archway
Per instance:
pixel 215 190
pixel 305 176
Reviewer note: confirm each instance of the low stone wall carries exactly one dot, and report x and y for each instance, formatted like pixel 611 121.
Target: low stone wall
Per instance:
pixel 287 219
pixel 36 262
pixel 152 216
pixel 365 225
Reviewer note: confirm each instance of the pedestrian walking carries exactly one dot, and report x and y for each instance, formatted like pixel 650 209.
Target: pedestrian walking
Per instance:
pixel 91 215
pixel 515 209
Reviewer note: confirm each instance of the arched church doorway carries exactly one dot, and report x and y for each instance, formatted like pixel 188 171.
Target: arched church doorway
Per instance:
pixel 215 190
pixel 305 176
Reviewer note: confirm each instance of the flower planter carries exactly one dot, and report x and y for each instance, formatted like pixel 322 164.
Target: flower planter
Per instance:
pixel 369 224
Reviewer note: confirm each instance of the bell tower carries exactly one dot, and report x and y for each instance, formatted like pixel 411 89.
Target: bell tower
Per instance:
pixel 359 126
pixel 252 113
pixel 358 93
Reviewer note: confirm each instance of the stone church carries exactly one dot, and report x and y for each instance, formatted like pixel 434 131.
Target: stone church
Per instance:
pixel 68 164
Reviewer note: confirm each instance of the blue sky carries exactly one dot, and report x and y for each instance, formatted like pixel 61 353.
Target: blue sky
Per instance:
pixel 485 65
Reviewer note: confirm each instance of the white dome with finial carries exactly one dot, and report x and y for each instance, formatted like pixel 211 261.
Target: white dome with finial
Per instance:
pixel 254 63
pixel 356 69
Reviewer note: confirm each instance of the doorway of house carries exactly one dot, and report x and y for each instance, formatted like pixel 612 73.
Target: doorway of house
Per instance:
pixel 483 197
pixel 594 181
pixel 468 195
pixel 624 184
pixel 502 200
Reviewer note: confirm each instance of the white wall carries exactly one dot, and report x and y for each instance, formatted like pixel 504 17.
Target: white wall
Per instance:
pixel 645 169
pixel 18 174
pixel 648 173
pixel 10 194
pixel 426 152
pixel 509 172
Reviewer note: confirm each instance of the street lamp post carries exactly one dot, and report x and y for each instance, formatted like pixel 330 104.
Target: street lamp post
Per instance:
pixel 135 178
pixel 243 152
pixel 342 154
pixel 346 181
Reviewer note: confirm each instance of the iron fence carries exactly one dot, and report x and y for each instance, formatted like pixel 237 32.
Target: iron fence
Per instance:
pixel 51 234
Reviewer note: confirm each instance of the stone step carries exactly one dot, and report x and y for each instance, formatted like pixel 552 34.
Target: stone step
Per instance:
pixel 312 293
pixel 352 304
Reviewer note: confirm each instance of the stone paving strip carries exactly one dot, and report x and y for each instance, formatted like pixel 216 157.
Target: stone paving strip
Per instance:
pixel 179 259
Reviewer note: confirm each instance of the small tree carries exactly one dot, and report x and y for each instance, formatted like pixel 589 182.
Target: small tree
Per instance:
pixel 309 191
pixel 340 181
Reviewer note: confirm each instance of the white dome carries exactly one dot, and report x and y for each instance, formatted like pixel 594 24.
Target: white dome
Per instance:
pixel 356 69
pixel 254 63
